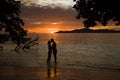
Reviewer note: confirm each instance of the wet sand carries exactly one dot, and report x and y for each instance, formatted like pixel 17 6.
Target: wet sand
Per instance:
pixel 54 73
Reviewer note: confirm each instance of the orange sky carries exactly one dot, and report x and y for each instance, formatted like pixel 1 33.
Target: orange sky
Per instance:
pixel 49 17
pixel 50 28
pixel 53 30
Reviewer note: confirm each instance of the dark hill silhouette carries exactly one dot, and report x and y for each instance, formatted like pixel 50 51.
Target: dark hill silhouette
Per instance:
pixel 90 31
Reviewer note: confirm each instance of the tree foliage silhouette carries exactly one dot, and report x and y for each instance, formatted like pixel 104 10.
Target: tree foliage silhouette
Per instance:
pixel 10 19
pixel 97 11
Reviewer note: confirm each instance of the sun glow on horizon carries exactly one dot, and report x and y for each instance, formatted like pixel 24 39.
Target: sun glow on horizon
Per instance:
pixel 53 30
pixel 44 30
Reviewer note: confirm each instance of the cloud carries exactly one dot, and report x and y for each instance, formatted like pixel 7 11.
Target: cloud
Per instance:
pixel 40 19
pixel 54 23
pixel 37 23
pixel 49 3
pixel 34 16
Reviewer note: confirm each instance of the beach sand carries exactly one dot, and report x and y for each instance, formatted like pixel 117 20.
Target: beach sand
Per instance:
pixel 27 66
pixel 17 73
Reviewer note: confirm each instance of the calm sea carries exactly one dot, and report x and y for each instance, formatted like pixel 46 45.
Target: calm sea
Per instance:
pixel 82 38
pixel 84 50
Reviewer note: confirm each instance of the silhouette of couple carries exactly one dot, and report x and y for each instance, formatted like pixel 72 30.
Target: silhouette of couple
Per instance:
pixel 52 49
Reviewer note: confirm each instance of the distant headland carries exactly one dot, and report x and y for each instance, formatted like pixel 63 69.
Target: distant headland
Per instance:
pixel 90 31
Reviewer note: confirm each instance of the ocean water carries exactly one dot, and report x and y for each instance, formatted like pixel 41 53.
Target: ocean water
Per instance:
pixel 82 50
pixel 75 51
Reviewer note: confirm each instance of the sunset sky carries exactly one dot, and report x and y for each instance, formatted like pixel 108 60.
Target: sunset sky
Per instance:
pixel 49 16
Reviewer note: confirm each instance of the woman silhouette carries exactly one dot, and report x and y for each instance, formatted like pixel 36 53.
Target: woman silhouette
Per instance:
pixel 49 51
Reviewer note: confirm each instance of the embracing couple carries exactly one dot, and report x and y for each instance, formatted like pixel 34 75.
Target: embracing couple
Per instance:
pixel 52 48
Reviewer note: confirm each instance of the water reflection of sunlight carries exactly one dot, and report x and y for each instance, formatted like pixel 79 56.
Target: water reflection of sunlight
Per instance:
pixel 45 37
pixel 55 36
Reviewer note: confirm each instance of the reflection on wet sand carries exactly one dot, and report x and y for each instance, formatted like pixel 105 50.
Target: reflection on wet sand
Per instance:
pixel 16 73
pixel 52 71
